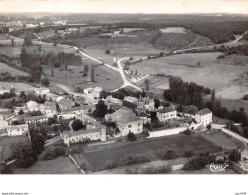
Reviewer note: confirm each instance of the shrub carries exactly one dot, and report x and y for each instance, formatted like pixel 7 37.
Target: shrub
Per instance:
pixel 234 155
pixel 131 159
pixel 245 97
pixel 110 165
pixel 168 155
pixel 107 51
pixel 188 153
pixel 157 170
pixel 131 136
pixel 196 163
pixel 187 132
pixel 53 153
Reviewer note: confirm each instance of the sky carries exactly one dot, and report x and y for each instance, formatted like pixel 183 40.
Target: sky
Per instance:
pixel 126 6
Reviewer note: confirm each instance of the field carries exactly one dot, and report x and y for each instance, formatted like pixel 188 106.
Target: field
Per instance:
pixel 17 86
pixel 8 143
pixel 106 78
pixel 208 73
pixel 96 156
pixel 13 71
pixel 61 165
pixel 232 92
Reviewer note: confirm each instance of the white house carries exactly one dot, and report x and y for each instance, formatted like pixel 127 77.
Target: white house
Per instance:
pixel 126 121
pixel 32 106
pixel 204 117
pixel 41 91
pixel 36 119
pixel 166 114
pixel 3 90
pixel 17 130
pixel 3 123
pixel 84 135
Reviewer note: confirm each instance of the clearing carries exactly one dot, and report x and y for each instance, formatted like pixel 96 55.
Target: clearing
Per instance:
pixel 13 71
pixel 207 72
pixel 96 156
pixel 60 165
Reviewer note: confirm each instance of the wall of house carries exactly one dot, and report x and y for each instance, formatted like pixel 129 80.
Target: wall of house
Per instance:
pixel 135 127
pixel 167 132
pixel 162 117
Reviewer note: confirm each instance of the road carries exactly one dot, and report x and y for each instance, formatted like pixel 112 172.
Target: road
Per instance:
pixel 119 69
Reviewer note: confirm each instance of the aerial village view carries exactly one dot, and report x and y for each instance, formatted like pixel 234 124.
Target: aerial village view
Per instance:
pixel 129 94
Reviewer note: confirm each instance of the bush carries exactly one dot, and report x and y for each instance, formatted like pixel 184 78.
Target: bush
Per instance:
pixel 187 132
pixel 235 155
pixel 131 159
pixel 110 165
pixel 107 51
pixel 131 136
pixel 157 170
pixel 196 163
pixel 170 154
pixel 245 97
pixel 188 153
pixel 53 153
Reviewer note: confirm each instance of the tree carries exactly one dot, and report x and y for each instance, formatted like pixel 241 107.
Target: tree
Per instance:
pixel 38 136
pixel 77 125
pixel 235 155
pixel 21 112
pixel 196 163
pixel 212 99
pixel 217 108
pixel 45 82
pixel 28 41
pixel 86 68
pixel 147 84
pixel 101 109
pixel 25 155
pixel 245 132
pixel 92 74
pixel 209 126
pixel 170 154
pixel 156 102
pixel 131 136
pixel 107 51
pixel 12 42
pixel 191 109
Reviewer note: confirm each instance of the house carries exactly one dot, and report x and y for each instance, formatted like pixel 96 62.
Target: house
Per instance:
pixel 41 91
pixel 17 130
pixel 166 114
pixel 66 116
pixel 18 109
pixel 204 117
pixel 3 123
pixel 146 117
pixel 4 90
pixel 84 135
pixel 35 119
pixel 74 110
pixel 126 121
pixel 32 106
pixel 93 93
pixel 48 108
pixel 131 99
pixel 65 104
pixel 52 97
pixel 145 103
pixel 3 132
pixel 86 119
pixel 80 100
pixel 113 103
pixel 129 105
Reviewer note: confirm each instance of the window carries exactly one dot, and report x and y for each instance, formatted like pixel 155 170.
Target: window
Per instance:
pixel 129 126
pixel 138 124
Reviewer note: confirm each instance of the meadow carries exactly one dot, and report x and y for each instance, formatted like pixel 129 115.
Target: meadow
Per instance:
pixel 96 156
pixel 201 68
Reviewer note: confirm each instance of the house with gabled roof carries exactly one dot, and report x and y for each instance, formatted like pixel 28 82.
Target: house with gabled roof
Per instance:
pixel 204 117
pixel 166 114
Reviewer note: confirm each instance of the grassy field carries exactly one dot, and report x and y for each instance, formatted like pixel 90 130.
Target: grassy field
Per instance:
pixel 106 78
pixel 8 143
pixel 208 73
pixel 60 165
pixel 17 86
pixel 13 71
pixel 96 156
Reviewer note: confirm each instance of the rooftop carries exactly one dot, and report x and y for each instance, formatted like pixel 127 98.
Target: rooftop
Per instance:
pixel 167 109
pixel 83 132
pixel 129 105
pixel 125 116
pixel 204 111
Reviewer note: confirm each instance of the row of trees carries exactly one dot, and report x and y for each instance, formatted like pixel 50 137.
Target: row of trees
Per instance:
pixel 27 154
pixel 184 93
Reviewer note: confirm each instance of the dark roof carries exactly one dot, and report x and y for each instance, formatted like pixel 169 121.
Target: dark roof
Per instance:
pixel 167 109
pixel 204 111
pixel 129 105
pixel 142 114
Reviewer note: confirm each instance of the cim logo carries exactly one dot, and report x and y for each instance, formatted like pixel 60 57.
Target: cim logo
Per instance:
pixel 217 167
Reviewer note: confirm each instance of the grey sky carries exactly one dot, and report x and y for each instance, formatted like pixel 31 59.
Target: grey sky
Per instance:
pixel 126 6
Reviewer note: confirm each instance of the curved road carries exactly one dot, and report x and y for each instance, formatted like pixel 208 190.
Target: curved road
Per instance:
pixel 126 82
